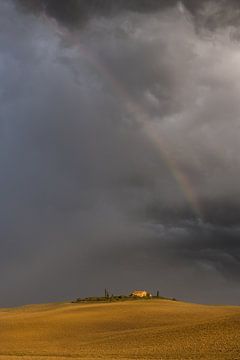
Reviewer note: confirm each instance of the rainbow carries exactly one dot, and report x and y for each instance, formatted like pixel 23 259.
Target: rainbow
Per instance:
pixel 133 108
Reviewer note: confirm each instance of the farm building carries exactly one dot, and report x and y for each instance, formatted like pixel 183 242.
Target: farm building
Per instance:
pixel 140 293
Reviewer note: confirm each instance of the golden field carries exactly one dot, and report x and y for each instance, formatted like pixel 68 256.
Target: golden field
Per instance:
pixel 146 329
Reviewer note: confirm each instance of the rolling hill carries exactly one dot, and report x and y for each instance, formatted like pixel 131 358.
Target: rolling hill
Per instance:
pixel 148 329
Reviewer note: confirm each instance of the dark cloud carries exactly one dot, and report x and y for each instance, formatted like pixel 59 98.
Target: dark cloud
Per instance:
pixel 119 150
pixel 76 12
pixel 203 256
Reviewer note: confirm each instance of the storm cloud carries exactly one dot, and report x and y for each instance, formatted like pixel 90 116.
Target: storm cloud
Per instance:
pixel 74 13
pixel 119 149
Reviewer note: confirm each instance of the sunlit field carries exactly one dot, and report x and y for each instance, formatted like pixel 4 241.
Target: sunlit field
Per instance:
pixel 146 329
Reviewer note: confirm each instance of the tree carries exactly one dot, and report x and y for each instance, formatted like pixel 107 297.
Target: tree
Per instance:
pixel 106 294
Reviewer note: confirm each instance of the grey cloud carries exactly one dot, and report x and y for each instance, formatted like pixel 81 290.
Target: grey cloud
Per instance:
pixel 128 121
pixel 207 13
pixel 195 254
pixel 74 12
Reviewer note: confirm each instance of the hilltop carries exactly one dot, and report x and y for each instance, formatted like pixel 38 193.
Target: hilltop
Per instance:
pixel 156 329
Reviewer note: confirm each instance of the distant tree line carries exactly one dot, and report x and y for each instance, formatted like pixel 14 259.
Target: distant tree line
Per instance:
pixel 111 297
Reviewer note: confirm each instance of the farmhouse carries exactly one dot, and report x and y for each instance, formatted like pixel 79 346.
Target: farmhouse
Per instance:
pixel 140 293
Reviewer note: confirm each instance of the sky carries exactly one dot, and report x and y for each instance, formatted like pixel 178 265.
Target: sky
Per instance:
pixel 119 151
